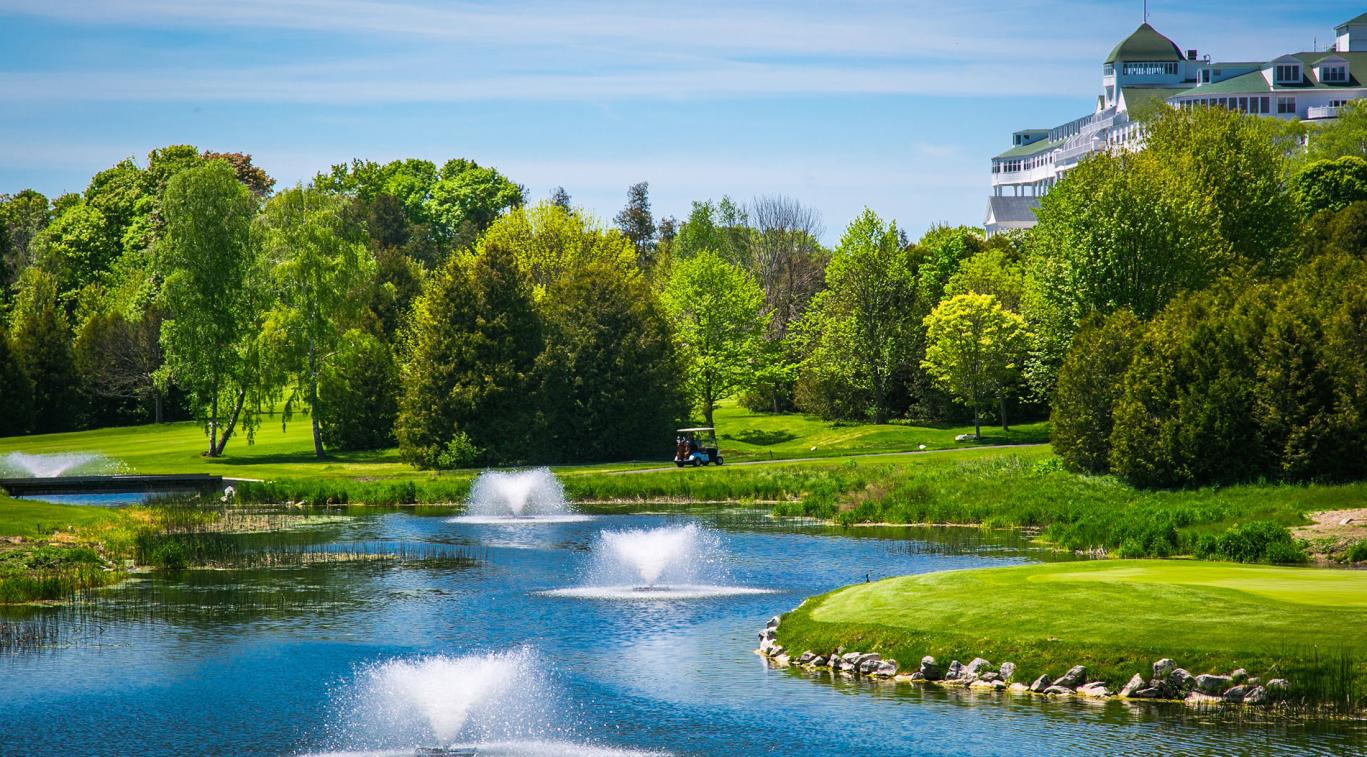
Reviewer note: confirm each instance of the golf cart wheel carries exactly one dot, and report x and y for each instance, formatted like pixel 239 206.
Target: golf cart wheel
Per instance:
pixel 718 459
pixel 679 463
pixel 695 462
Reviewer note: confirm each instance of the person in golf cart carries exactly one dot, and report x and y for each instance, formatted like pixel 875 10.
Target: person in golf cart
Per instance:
pixel 696 446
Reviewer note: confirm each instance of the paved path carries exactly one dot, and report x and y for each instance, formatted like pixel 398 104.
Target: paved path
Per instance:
pixel 783 460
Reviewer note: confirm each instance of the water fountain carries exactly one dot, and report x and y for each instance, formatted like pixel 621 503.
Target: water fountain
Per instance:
pixel 530 496
pixel 52 465
pixel 486 704
pixel 666 563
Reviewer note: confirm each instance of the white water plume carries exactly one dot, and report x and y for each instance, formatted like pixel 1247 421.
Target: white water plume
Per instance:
pixel 51 465
pixel 666 563
pixel 535 495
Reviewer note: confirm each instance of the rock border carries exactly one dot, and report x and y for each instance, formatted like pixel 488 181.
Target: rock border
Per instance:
pixel 1168 682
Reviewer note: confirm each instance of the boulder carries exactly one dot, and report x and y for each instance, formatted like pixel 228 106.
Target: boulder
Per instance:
pixel 1149 693
pixel 781 660
pixel 1196 697
pixel 773 622
pixel 990 676
pixel 818 662
pixel 930 670
pixel 1007 671
pixel 767 633
pixel 1182 680
pixel 1041 683
pixel 1211 684
pixel 866 664
pixel 1076 676
pixel 775 650
pixel 976 668
pixel 765 646
pixel 1135 684
pixel 885 669
pixel 964 438
pixel 1163 668
pixel 1256 695
pixel 851 657
pixel 982 685
pixel 1018 688
pixel 1278 684
pixel 917 676
pixel 805 657
pixel 1094 690
pixel 1235 694
pixel 1061 691
pixel 955 671
pixel 1239 676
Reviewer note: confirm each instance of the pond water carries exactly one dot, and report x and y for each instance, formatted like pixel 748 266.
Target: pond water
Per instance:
pixel 384 656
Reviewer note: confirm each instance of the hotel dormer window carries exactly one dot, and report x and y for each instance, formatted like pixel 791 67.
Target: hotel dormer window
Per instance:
pixel 1288 73
pixel 1334 74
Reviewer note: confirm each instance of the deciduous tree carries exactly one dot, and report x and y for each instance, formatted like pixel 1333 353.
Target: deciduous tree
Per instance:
pixel 973 348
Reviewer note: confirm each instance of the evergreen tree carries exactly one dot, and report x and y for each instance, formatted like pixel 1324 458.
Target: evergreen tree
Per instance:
pixel 1089 385
pixel 41 338
pixel 16 392
pixel 637 224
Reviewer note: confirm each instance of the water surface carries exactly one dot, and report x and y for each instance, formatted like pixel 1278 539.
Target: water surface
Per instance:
pixel 269 662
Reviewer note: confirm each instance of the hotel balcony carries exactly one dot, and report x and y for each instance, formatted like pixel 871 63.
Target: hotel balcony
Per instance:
pixel 1317 112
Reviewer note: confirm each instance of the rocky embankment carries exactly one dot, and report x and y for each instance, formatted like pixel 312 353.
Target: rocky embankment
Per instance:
pixel 1167 681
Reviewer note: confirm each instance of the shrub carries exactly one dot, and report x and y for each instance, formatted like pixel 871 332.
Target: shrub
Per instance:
pixel 1256 541
pixel 459 452
pixel 1088 386
pixel 357 403
pixel 1357 552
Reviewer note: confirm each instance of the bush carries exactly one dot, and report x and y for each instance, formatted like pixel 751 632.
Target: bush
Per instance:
pixel 459 452
pixel 1257 541
pixel 357 403
pixel 1088 386
pixel 1357 552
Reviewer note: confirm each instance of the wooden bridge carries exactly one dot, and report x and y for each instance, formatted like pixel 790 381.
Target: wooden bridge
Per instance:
pixel 186 482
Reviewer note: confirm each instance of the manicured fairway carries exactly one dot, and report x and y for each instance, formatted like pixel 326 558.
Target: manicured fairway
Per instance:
pixel 1113 616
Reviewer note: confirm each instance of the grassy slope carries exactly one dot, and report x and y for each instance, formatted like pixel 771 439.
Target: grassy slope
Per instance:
pixel 1115 617
pixel 288 453
pixel 49 551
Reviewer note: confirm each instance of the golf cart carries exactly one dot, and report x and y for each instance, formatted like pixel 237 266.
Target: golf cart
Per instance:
pixel 696 446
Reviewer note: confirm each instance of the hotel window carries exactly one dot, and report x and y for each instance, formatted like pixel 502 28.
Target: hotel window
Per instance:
pixel 1288 73
pixel 1108 70
pixel 1334 74
pixel 1149 68
pixel 1205 76
pixel 1286 105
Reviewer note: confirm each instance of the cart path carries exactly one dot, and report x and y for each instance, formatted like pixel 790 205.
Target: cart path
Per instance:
pixel 781 461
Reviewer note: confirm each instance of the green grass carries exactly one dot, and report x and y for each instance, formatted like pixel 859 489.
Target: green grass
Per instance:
pixel 50 552
pixel 288 453
pixel 1115 617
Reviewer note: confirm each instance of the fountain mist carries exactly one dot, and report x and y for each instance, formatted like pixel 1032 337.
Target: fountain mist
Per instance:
pixel 51 465
pixel 530 495
pixel 671 562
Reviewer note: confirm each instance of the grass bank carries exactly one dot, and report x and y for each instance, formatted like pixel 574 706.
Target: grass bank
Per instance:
pixel 1115 617
pixel 51 552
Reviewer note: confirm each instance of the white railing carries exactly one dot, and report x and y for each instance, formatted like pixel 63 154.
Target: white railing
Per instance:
pixel 1024 176
pixel 1321 111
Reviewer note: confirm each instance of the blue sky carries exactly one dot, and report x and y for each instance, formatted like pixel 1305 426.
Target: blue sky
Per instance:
pixel 893 105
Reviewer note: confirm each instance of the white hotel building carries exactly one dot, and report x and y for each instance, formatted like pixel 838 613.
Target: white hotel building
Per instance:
pixel 1146 69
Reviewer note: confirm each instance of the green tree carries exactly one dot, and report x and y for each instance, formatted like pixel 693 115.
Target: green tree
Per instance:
pixel 76 248
pixel 611 385
pixel 1119 231
pixel 1311 396
pixel 973 348
pixel 549 242
pixel 470 353
pixel 857 331
pixel 1330 184
pixel 206 259
pixel 1186 410
pixel 992 271
pixel 22 216
pixel 16 392
pixel 1089 385
pixel 118 358
pixel 1343 136
pixel 717 310
pixel 41 339
pixel 357 402
pixel 316 266
pixel 637 224
pixel 469 198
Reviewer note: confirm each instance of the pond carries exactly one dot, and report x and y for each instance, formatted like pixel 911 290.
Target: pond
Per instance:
pixel 384 656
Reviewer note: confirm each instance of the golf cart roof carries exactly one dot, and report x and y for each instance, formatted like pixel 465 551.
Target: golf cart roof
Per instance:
pixel 702 428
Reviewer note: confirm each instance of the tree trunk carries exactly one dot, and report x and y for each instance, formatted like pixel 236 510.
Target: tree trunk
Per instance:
pixel 1001 404
pixel 707 410
pixel 213 425
pixel 313 403
pixel 232 422
pixel 977 425
pixel 156 406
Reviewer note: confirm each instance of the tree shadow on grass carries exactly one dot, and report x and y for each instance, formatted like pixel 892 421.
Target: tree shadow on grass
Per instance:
pixel 760 438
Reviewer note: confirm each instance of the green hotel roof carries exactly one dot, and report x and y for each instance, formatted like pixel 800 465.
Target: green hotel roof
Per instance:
pixel 1146 44
pixel 1034 148
pixel 1254 83
pixel 1358 20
